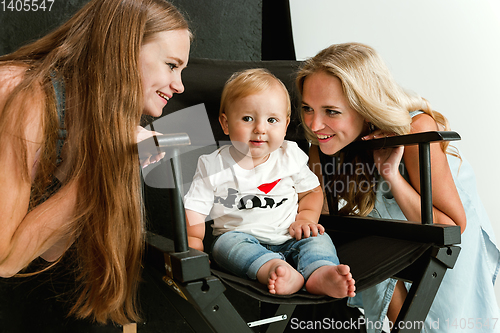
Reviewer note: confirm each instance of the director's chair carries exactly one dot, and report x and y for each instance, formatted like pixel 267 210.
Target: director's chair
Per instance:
pixel 374 249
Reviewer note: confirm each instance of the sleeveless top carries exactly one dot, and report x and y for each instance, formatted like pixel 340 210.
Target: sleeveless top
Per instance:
pixel 466 295
pixel 59 90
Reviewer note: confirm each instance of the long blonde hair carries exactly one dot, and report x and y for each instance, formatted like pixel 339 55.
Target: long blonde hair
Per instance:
pixel 371 91
pixel 96 54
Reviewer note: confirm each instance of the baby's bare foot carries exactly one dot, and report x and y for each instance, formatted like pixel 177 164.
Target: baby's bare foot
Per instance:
pixel 280 277
pixel 334 281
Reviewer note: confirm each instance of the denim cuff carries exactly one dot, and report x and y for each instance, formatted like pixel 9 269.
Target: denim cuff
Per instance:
pixel 257 264
pixel 309 269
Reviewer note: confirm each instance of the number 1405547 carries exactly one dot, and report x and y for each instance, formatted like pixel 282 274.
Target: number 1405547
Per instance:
pixel 26 5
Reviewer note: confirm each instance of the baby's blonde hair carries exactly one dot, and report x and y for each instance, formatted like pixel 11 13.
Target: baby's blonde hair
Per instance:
pixel 248 82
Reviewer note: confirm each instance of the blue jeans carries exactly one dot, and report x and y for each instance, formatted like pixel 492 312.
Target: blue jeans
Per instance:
pixel 242 254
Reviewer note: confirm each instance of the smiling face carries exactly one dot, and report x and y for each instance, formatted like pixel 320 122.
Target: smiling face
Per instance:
pixel 162 60
pixel 326 111
pixel 256 125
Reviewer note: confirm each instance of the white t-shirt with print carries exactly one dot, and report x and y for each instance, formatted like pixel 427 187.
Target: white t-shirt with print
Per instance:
pixel 262 201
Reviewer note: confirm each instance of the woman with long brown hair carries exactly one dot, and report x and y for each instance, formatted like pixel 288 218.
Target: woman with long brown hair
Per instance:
pixel 70 106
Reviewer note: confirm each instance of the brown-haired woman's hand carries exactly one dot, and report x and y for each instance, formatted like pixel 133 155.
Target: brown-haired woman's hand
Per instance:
pixel 143 134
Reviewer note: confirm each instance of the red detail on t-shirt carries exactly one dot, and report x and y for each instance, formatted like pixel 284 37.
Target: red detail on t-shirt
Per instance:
pixel 266 188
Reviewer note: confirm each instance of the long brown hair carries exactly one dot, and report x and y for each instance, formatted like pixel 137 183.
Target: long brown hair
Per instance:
pixel 372 91
pixel 96 55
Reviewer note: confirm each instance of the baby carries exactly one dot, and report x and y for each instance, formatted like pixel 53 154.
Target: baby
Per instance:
pixel 264 200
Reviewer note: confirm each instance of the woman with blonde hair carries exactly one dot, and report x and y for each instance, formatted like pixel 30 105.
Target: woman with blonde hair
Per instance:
pixel 348 94
pixel 70 105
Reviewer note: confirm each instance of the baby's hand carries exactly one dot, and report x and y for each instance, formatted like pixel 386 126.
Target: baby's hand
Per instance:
pixel 305 228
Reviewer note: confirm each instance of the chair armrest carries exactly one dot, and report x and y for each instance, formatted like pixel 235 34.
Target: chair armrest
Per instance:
pixel 404 140
pixel 170 144
pixel 162 143
pixel 423 141
pixel 438 234
pixel 185 266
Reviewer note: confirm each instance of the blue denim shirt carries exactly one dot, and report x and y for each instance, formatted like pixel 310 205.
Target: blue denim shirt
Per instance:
pixel 465 301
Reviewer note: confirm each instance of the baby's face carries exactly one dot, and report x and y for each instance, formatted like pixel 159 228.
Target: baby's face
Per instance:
pixel 256 124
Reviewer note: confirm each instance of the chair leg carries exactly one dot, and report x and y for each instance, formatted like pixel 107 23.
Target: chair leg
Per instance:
pixel 286 311
pixel 222 316
pixel 208 298
pixel 423 290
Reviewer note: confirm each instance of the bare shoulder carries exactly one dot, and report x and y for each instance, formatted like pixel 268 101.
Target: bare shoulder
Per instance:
pixel 423 123
pixel 30 104
pixel 11 76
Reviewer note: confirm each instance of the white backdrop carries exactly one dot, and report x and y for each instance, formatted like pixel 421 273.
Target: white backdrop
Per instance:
pixel 448 51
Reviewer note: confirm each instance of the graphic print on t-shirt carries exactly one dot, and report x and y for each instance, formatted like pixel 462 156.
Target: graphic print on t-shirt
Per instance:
pixel 250 201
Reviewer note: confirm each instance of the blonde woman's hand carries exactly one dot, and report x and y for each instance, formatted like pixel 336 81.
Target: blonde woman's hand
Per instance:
pixel 377 134
pixel 387 161
pixel 143 134
pixel 304 229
